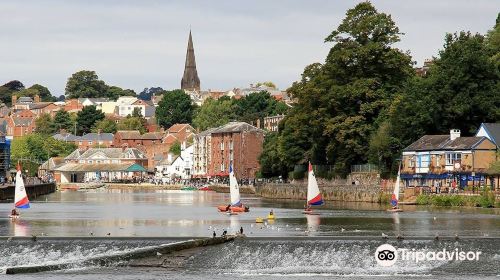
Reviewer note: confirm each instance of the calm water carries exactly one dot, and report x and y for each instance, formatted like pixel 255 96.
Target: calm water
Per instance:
pixel 188 213
pixel 274 256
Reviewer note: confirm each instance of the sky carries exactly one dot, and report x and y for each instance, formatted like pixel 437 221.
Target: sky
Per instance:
pixel 138 44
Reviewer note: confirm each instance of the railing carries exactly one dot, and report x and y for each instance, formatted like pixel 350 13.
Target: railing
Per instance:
pixel 364 168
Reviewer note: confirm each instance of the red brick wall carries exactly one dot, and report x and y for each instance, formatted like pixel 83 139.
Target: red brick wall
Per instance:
pixel 247 147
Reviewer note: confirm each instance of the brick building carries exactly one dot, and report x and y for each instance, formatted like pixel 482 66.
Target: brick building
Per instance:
pixel 238 144
pixel 442 159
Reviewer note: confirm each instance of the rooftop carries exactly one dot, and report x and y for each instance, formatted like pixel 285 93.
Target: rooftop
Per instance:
pixel 443 142
pixel 236 127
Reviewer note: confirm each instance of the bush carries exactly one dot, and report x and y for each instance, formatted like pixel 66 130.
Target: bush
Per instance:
pixel 298 175
pixel 487 199
pixel 422 199
pixel 384 198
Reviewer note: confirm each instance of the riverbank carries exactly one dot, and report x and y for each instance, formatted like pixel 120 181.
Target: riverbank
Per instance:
pixel 484 200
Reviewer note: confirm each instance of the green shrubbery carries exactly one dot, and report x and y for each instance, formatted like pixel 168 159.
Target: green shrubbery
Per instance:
pixel 485 200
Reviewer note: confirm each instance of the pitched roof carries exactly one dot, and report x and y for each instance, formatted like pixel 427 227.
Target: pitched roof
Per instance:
pixel 98 137
pixel 22 121
pixel 93 167
pixel 152 136
pixel 493 130
pixel 128 134
pixel 40 105
pixel 180 126
pixel 66 137
pixel 443 142
pixel 236 127
pixel 24 99
pixel 113 153
pixel 170 139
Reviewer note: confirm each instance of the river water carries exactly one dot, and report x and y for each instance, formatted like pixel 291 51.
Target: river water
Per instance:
pixel 331 245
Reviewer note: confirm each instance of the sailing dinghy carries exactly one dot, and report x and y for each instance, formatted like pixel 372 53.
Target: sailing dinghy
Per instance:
pixel 234 190
pixel 21 200
pixel 395 194
pixel 313 195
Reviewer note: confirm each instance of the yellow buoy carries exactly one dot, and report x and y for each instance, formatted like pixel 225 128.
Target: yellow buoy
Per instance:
pixel 270 217
pixel 259 220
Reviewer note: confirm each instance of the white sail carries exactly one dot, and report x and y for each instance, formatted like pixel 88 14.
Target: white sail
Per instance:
pixel 20 196
pixel 234 189
pixel 395 194
pixel 313 194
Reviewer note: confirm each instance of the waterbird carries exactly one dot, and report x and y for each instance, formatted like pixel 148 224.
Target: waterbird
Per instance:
pixel 384 235
pixel 456 236
pixel 33 237
pixel 342 229
pixel 399 237
pixel 9 239
pixel 158 254
pixel 434 218
pixel 436 237
pixel 91 234
pixel 108 234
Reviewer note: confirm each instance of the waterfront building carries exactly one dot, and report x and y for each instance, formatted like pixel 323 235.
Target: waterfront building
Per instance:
pixel 202 144
pixel 490 131
pixel 238 144
pixel 101 164
pixel 441 159
pixel 175 168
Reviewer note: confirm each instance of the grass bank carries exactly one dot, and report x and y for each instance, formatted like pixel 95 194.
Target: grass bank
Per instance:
pixel 485 200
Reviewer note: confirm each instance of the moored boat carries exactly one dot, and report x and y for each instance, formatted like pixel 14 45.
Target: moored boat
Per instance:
pixel 21 200
pixel 395 194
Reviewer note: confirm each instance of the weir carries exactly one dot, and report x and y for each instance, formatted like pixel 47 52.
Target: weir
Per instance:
pixel 145 252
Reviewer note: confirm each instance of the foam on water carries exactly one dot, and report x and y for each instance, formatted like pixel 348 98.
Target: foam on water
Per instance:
pixel 28 253
pixel 325 257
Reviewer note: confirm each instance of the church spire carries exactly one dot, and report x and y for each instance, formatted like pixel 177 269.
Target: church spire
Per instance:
pixel 190 80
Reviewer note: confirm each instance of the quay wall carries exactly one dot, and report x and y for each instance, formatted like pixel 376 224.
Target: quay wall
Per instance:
pixel 349 193
pixel 33 191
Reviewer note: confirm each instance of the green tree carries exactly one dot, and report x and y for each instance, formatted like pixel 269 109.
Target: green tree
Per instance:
pixel 175 107
pixel 213 113
pixel 44 124
pixel 175 148
pixel 62 120
pixel 342 102
pixel 8 89
pixel 132 123
pixel 136 113
pixel 267 84
pixel 85 84
pixel 87 118
pixel 113 92
pixel 105 126
pixel 270 160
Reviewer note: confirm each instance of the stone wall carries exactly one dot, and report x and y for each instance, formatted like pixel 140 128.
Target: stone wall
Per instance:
pixel 352 193
pixel 33 191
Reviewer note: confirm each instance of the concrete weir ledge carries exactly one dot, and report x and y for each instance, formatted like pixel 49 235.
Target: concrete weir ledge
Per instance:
pixel 149 251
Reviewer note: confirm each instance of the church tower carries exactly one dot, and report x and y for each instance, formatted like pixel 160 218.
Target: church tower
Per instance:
pixel 190 80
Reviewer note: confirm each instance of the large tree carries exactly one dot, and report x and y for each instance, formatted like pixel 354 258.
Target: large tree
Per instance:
pixel 44 124
pixel 214 113
pixel 87 118
pixel 115 92
pixel 62 120
pixel 85 84
pixel 8 89
pixel 132 123
pixel 105 126
pixel 175 107
pixel 341 103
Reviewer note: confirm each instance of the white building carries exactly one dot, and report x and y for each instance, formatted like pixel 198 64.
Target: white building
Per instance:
pixel 179 167
pixel 201 153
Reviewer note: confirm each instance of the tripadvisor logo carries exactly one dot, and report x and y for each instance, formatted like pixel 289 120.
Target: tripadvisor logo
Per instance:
pixel 387 255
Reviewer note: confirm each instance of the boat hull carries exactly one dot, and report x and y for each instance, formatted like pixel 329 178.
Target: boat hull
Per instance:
pixel 237 209
pixel 395 210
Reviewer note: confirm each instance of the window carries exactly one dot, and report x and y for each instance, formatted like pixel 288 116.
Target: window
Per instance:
pixel 177 168
pixel 423 161
pixel 89 161
pixel 80 142
pixel 222 167
pixel 90 142
pixel 451 158
pixel 222 145
pixel 231 145
pixel 412 162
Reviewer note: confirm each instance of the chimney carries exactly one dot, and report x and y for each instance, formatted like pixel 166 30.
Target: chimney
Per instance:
pixel 14 99
pixel 37 99
pixel 454 134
